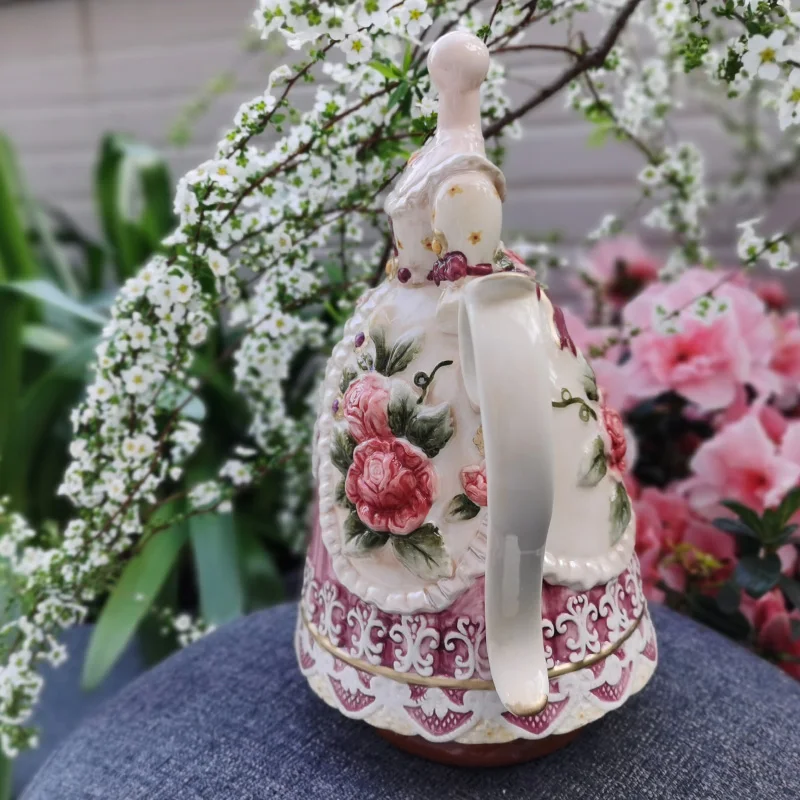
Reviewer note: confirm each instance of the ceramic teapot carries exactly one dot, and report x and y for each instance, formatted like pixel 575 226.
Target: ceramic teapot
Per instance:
pixel 471 576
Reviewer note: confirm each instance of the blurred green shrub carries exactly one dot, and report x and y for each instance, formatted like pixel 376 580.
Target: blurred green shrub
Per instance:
pixel 56 286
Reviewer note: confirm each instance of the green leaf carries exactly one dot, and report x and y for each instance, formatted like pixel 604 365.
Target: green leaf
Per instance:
pixel 789 506
pixel 6 776
pixel 51 295
pixel 378 336
pixel 348 376
pixel 398 95
pixel 179 397
pixel 12 318
pixel 729 597
pixel 342 446
pixel 461 508
pixel 620 512
pixel 389 71
pixel 758 575
pixel 706 610
pixel 40 407
pixel 593 464
pixel 402 407
pixel 132 597
pixel 263 581
pixel 134 197
pixel 16 251
pixel 735 527
pixel 431 428
pixel 405 350
pixel 54 256
pixel 745 514
pixel 423 552
pixel 599 136
pixel 216 559
pixel 791 588
pixel 44 339
pixel 359 540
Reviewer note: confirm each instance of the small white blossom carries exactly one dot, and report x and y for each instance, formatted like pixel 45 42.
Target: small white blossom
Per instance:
pixel 357 48
pixel 136 380
pixel 763 54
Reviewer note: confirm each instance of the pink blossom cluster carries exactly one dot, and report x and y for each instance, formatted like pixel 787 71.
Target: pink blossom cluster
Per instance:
pixel 736 369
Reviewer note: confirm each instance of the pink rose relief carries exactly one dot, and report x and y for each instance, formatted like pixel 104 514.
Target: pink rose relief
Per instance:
pixel 473 479
pixel 366 408
pixel 616 446
pixel 392 485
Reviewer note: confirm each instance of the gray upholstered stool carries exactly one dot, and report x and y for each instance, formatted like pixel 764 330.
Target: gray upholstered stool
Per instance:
pixel 231 719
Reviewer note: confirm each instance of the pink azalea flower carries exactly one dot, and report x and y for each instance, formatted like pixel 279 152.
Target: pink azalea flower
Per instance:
pixel 473 479
pixel 661 522
pixel 773 293
pixel 612 378
pixel 773 422
pixel 790 444
pixel 785 362
pixel 705 361
pixel 392 485
pixel 773 624
pixel 621 267
pixel 740 463
pixel 366 407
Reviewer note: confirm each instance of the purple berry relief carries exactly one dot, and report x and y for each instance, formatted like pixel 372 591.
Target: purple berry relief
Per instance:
pixel 359 340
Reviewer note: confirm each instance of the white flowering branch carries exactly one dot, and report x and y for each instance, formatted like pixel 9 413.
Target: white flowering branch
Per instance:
pixel 275 242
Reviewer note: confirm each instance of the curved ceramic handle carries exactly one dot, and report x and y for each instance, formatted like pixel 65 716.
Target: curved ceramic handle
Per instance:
pixel 506 372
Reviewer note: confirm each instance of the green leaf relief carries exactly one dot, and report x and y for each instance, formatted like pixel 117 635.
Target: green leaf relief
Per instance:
pixel 620 512
pixel 378 336
pixel 461 508
pixel 431 429
pixel 359 540
pixel 402 407
pixel 423 553
pixel 590 383
pixel 405 350
pixel 342 446
pixel 593 464
pixel 341 496
pixel 348 376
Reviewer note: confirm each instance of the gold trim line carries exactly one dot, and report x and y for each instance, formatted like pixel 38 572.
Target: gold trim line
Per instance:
pixel 456 683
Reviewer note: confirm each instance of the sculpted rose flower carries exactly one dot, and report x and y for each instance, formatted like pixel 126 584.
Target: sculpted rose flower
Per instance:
pixel 615 434
pixel 392 485
pixel 366 408
pixel 473 479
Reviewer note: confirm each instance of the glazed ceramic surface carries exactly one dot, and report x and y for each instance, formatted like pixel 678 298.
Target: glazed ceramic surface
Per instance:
pixel 471 574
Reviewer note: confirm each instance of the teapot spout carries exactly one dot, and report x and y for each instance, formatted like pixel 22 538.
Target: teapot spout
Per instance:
pixel 506 373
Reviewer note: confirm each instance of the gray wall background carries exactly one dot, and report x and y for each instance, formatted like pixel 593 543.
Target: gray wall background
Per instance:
pixel 73 69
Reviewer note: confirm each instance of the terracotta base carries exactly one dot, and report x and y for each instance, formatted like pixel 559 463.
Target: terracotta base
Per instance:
pixel 479 755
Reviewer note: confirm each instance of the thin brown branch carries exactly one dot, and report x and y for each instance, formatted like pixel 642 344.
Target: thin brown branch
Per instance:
pixel 520 48
pixel 593 59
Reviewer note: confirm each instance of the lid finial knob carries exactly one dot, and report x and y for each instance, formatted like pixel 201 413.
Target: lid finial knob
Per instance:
pixel 458 63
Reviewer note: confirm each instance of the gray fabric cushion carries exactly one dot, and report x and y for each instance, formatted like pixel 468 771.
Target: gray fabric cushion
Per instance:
pixel 231 718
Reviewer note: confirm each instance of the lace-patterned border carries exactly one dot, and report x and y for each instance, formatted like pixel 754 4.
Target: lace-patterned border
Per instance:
pixel 473 716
